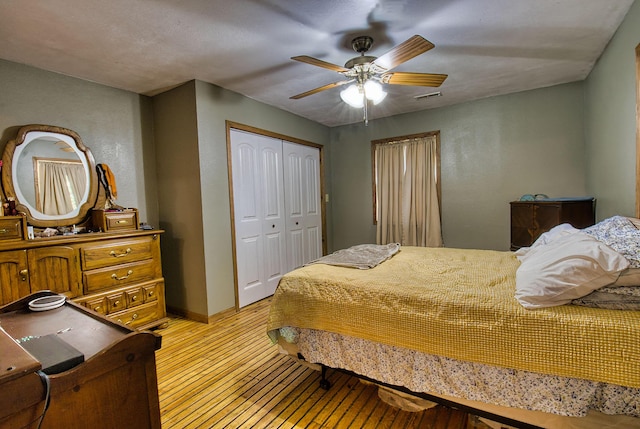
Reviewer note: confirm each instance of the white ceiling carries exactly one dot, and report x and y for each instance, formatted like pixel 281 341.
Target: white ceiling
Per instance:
pixel 487 47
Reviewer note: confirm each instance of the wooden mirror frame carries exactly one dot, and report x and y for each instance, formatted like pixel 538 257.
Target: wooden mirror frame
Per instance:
pixel 10 188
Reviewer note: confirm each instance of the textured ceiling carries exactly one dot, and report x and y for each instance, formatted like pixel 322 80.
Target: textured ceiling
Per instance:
pixel 487 47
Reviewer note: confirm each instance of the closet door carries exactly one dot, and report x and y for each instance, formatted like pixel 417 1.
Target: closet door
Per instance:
pixel 258 215
pixel 303 204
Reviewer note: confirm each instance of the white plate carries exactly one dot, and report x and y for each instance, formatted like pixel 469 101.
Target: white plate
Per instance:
pixel 47 303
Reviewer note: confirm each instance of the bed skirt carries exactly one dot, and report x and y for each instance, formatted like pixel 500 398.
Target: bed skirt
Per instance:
pixel 538 399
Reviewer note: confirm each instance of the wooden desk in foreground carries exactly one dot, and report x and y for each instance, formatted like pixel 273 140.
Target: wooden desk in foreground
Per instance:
pixel 115 387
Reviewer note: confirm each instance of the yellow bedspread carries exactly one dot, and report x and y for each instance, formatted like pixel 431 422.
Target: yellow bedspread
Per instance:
pixel 460 303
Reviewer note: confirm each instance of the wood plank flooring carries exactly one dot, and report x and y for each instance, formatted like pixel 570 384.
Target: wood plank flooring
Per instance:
pixel 228 375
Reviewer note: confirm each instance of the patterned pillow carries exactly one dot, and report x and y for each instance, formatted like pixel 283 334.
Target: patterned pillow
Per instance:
pixel 621 235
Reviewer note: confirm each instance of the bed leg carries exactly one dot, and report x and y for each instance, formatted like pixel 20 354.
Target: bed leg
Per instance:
pixel 324 383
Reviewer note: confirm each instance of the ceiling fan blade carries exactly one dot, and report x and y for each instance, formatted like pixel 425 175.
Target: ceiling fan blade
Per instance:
pixel 414 79
pixel 321 88
pixel 406 50
pixel 320 63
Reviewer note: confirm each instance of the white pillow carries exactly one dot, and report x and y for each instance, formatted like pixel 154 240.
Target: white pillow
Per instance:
pixel 570 267
pixel 546 238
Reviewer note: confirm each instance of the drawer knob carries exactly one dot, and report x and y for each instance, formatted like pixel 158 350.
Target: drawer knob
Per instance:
pixel 115 277
pixel 121 254
pixel 134 298
pixel 150 293
pixel 3 231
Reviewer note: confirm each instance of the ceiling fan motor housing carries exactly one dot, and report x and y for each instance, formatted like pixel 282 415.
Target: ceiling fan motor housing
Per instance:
pixel 362 44
pixel 363 59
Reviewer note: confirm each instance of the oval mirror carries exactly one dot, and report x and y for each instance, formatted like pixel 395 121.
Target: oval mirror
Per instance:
pixel 51 174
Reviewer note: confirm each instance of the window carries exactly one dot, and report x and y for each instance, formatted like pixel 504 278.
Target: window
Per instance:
pixel 406 190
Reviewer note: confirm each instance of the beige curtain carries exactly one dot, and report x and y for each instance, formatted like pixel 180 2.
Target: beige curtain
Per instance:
pixel 61 185
pixel 406 188
pixel 389 171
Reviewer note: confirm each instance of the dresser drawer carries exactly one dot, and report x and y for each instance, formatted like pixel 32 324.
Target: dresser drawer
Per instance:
pixel 120 275
pixel 139 315
pixel 99 304
pixel 120 252
pixel 12 227
pixel 116 300
pixel 135 296
pixel 152 291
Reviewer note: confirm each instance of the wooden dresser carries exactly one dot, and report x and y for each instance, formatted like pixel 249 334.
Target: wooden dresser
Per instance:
pixel 117 274
pixel 529 219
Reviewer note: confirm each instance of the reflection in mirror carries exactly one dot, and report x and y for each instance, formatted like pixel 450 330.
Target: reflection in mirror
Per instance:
pixel 59 181
pixel 64 180
pixel 51 174
pixel 53 183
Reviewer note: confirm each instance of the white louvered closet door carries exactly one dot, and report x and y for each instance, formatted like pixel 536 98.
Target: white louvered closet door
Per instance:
pixel 258 215
pixel 303 204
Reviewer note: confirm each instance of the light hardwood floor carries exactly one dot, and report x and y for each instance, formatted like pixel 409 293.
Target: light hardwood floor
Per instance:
pixel 228 375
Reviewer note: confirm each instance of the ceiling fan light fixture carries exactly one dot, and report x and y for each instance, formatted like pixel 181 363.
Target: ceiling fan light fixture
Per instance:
pixel 352 96
pixel 369 72
pixel 374 92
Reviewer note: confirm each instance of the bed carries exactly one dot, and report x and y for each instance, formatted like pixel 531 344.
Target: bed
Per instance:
pixel 471 327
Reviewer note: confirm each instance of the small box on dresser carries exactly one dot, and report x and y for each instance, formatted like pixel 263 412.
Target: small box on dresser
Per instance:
pixel 115 220
pixel 13 228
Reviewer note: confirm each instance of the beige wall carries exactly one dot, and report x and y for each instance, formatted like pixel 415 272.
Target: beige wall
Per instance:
pixel 115 125
pixel 180 207
pixel 571 139
pixel 493 151
pixel 610 121
pixel 215 106
pixel 192 158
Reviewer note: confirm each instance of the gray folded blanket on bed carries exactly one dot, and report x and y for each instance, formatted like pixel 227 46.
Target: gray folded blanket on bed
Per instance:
pixel 362 256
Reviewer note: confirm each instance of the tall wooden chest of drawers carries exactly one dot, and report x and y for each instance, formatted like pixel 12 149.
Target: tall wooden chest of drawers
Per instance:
pixel 529 219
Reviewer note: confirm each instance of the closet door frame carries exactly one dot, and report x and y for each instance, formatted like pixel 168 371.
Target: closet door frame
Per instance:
pixel 242 127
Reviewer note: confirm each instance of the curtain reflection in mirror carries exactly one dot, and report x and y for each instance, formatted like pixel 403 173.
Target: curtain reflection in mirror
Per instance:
pixel 59 184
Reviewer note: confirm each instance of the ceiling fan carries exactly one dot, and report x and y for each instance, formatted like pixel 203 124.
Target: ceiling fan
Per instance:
pixel 367 73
